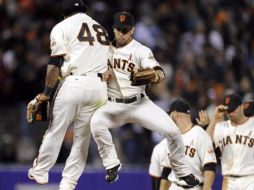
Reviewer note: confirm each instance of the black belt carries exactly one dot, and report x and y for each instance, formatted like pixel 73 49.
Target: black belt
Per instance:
pixel 237 176
pixel 189 187
pixel 99 75
pixel 126 100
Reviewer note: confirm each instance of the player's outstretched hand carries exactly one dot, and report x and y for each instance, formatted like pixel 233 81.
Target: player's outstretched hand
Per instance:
pixel 202 119
pixel 107 75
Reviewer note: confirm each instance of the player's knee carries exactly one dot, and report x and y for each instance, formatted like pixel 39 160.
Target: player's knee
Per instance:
pixel 97 126
pixel 171 132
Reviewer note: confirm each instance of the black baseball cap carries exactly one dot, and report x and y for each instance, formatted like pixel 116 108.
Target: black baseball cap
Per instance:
pixel 123 20
pixel 232 101
pixel 71 6
pixel 180 105
pixel 248 108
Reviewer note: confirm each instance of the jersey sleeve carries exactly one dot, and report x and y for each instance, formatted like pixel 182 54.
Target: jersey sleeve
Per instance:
pixel 57 41
pixel 205 149
pixel 155 165
pixel 165 161
pixel 147 59
pixel 217 135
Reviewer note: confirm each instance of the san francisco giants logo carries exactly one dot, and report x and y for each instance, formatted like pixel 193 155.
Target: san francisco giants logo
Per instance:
pixel 227 100
pixel 122 18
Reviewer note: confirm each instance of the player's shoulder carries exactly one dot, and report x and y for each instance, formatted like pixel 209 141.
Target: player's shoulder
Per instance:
pixel 251 119
pixel 58 26
pixel 140 47
pixel 161 144
pixel 198 130
pixel 222 125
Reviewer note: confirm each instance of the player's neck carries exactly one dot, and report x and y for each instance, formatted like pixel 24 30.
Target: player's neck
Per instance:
pixel 185 126
pixel 240 121
pixel 122 45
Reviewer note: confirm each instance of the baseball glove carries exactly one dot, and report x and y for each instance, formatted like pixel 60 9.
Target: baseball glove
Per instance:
pixel 142 77
pixel 37 111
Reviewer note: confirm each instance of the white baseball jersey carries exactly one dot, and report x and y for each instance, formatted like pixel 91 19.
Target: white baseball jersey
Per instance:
pixel 123 60
pixel 73 38
pixel 158 155
pixel 140 110
pixel 199 152
pixel 83 43
pixel 237 146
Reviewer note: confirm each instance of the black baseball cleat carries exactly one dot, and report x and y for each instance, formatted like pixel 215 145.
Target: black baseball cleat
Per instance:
pixel 112 174
pixel 191 180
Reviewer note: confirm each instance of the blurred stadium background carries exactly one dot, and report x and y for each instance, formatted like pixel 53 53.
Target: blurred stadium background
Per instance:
pixel 205 46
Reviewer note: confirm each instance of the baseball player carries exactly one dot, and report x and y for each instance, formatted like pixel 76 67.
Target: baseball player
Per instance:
pixel 235 140
pixel 198 150
pixel 155 167
pixel 129 104
pixel 161 149
pixel 79 48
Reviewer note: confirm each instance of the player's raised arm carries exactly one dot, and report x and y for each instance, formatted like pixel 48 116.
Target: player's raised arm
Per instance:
pixel 218 117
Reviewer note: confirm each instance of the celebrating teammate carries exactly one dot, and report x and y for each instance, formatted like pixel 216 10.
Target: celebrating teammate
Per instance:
pixel 79 48
pixel 198 150
pixel 155 167
pixel 234 138
pixel 128 102
pixel 159 152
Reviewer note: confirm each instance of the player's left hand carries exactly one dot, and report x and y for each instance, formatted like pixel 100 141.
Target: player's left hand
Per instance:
pixel 202 119
pixel 38 108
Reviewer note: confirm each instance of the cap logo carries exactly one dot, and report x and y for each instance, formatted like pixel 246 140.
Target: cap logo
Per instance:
pixel 227 100
pixel 76 4
pixel 122 18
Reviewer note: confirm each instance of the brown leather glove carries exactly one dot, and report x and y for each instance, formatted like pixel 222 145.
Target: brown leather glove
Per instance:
pixel 142 77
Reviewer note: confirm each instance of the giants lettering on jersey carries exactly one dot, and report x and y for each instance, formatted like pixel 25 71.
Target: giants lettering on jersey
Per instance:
pixel 190 151
pixel 239 139
pixel 121 64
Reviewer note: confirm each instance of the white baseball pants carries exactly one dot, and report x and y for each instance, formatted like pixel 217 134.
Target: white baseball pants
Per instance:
pixel 76 101
pixel 236 183
pixel 142 112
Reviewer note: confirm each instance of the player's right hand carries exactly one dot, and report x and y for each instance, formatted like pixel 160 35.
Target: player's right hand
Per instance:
pixel 42 97
pixel 107 75
pixel 203 119
pixel 219 112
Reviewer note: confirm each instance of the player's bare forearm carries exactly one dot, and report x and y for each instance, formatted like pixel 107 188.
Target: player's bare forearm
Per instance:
pixel 208 179
pixel 210 128
pixel 52 75
pixel 218 117
pixel 165 184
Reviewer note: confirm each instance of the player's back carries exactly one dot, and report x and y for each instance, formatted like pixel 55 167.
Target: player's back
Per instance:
pixel 84 44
